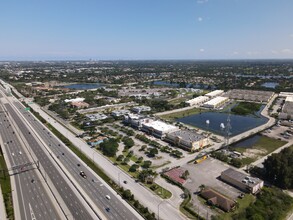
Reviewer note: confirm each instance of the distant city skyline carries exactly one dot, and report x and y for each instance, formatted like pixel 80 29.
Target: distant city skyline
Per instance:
pixel 153 29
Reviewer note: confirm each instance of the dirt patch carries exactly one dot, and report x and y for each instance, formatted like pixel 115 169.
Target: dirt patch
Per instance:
pixel 254 153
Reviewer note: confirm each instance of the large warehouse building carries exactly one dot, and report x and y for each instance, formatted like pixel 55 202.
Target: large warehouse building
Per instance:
pixel 287 111
pixel 187 139
pixel 214 93
pixel 242 181
pixel 197 101
pixel 216 102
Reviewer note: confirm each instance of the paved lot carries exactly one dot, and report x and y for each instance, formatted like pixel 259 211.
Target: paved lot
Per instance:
pixel 275 132
pixel 208 172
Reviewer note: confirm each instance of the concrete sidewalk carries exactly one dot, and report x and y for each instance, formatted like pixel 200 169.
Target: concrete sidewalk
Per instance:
pixel 3 215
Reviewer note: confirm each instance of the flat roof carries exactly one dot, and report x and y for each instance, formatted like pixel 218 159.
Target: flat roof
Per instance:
pixel 213 93
pixel 238 176
pixel 197 99
pixel 289 99
pixel 187 135
pixel 159 125
pixel 216 100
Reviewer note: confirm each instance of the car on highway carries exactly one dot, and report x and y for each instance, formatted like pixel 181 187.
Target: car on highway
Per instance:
pixel 108 197
pixel 125 182
pixel 83 174
pixel 108 209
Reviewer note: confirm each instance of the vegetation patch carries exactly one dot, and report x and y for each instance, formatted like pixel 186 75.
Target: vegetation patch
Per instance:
pixel 279 168
pixel 242 205
pixel 271 203
pixel 246 108
pixel 181 114
pixel 6 187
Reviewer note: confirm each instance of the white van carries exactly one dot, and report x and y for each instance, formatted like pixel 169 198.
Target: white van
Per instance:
pixel 108 197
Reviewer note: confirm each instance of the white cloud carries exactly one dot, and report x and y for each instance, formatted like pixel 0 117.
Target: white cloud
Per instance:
pixel 199 19
pixel 202 1
pixel 287 51
pixel 235 53
pixel 274 52
pixel 201 50
pixel 252 53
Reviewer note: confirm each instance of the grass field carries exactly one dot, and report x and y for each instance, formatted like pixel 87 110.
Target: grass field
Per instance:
pixel 264 146
pixel 181 114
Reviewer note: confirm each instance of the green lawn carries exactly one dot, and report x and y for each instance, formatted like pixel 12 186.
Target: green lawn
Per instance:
pixel 242 203
pixel 269 144
pixel 181 114
pixel 265 144
pixel 6 188
pixel 160 191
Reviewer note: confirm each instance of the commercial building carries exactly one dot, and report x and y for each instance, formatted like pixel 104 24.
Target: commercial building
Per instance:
pixel 139 109
pixel 215 198
pixel 96 117
pixel 197 101
pixel 287 110
pixel 157 128
pixel 74 100
pixel 242 181
pixel 214 93
pixel 186 139
pixel 119 113
pixel 80 104
pixel 216 102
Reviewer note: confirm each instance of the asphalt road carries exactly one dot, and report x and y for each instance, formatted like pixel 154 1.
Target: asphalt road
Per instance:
pixel 145 196
pixel 94 188
pixel 77 209
pixel 32 197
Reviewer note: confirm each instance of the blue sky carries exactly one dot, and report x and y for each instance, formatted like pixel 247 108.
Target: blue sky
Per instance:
pixel 145 29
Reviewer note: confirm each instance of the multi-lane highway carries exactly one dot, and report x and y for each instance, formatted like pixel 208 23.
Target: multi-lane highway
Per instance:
pixel 33 197
pixel 68 197
pixel 91 187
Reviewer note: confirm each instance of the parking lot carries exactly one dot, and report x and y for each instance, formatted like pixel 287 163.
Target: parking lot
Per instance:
pixel 208 173
pixel 277 131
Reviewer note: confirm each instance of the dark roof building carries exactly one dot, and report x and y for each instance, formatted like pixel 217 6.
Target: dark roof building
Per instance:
pixel 217 199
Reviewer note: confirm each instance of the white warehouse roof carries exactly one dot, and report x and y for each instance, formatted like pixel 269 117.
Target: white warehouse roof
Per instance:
pixel 289 99
pixel 216 101
pixel 214 93
pixel 197 100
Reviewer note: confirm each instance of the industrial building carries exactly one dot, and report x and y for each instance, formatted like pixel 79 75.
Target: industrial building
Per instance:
pixel 186 139
pixel 242 181
pixel 216 102
pixel 197 101
pixel 214 93
pixel 287 110
pixel 249 95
